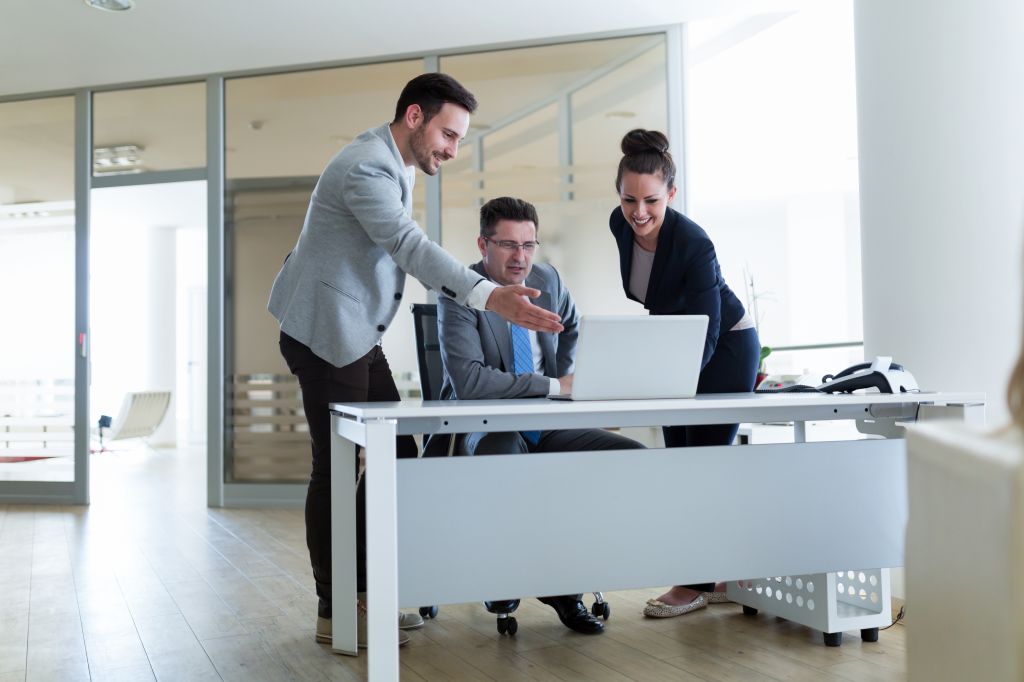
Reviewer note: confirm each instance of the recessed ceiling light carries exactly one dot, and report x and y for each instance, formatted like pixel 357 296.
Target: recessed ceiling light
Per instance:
pixel 122 158
pixel 111 5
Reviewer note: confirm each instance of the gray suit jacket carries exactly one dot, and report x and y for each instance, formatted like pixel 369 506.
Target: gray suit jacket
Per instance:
pixel 476 346
pixel 341 285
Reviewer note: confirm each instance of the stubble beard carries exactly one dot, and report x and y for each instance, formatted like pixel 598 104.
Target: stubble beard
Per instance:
pixel 421 152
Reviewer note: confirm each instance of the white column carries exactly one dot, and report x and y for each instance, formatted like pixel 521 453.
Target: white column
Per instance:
pixel 160 326
pixel 940 98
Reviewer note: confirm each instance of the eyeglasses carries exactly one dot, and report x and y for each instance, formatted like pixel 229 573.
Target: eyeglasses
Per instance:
pixel 511 246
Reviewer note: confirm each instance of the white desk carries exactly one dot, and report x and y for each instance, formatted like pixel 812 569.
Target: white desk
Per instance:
pixel 439 529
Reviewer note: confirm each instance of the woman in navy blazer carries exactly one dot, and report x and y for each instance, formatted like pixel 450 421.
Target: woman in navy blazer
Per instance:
pixel 669 265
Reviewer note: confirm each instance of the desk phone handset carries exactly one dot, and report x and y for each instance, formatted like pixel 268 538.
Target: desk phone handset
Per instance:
pixel 883 374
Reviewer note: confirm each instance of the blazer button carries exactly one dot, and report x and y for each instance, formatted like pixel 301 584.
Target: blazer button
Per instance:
pixel 381 328
pixel 398 296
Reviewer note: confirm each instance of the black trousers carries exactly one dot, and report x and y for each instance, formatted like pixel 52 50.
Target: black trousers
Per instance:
pixel 368 379
pixel 562 440
pixel 732 369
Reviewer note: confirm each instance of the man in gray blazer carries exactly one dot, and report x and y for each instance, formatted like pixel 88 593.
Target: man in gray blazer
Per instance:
pixel 341 286
pixel 486 357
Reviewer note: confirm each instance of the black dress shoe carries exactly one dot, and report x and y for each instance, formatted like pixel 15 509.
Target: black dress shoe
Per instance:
pixel 573 614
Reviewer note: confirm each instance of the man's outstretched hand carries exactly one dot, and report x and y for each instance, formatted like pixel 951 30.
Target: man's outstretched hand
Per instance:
pixel 512 302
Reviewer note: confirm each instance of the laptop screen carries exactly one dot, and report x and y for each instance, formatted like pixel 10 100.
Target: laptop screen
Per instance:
pixel 623 357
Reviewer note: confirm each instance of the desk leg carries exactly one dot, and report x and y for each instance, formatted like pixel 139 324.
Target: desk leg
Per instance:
pixel 382 549
pixel 343 543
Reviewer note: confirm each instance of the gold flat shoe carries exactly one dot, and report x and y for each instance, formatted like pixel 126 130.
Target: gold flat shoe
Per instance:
pixel 659 609
pixel 716 597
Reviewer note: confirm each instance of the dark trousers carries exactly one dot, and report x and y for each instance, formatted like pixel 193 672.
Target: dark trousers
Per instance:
pixel 732 369
pixel 368 379
pixel 563 440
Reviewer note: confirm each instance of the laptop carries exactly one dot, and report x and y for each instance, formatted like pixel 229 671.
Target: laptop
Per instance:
pixel 637 357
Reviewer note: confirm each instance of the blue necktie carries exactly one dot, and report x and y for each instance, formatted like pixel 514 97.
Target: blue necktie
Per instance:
pixel 522 363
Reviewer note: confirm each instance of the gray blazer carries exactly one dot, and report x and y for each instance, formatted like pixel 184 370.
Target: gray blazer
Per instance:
pixel 341 285
pixel 476 346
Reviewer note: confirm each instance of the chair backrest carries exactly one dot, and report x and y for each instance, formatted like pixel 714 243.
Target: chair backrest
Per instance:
pixel 428 350
pixel 140 415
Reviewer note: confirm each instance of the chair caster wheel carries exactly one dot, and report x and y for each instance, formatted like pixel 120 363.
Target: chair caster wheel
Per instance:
pixel 833 638
pixel 507 625
pixel 601 609
pixel 749 611
pixel 869 634
pixel 501 606
pixel 428 612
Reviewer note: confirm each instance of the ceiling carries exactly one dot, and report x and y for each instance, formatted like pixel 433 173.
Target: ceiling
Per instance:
pixel 63 44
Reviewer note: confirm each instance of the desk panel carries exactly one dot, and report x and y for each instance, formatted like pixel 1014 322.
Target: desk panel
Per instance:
pixel 490 527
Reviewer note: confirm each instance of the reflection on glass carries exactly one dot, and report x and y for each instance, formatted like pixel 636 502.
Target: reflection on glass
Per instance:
pixel 37 278
pixel 149 129
pixel 772 142
pixel 281 131
pixel 548 131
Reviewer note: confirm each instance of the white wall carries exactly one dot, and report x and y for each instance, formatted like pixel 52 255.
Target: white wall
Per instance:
pixel 161 322
pixel 941 129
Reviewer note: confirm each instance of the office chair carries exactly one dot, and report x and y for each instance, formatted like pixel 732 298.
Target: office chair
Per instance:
pixel 428 359
pixel 428 356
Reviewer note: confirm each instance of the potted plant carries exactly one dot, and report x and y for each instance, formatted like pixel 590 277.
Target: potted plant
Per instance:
pixel 761 372
pixel 753 298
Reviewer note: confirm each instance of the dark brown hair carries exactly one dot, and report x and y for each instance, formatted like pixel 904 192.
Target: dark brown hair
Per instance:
pixel 506 208
pixel 646 152
pixel 431 91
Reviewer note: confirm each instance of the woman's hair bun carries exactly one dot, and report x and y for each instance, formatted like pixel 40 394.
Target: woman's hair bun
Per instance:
pixel 639 141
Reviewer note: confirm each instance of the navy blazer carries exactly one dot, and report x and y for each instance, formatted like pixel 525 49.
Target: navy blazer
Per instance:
pixel 685 279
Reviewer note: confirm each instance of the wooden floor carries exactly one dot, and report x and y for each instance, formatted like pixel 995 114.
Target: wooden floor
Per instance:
pixel 148 583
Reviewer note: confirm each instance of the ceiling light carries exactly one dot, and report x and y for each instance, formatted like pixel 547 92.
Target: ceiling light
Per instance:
pixel 37 214
pixel 111 5
pixel 122 158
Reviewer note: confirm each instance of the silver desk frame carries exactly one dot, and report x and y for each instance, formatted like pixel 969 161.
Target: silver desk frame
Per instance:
pixel 459 529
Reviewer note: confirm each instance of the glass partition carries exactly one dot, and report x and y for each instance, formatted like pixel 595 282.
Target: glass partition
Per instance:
pixel 548 131
pixel 149 129
pixel 37 290
pixel 280 132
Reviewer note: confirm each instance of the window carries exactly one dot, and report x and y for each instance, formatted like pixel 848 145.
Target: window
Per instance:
pixel 772 173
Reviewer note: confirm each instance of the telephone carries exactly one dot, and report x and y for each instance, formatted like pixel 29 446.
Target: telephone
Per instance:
pixel 883 374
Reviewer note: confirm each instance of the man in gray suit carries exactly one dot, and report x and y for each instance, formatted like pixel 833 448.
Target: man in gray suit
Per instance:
pixel 486 357
pixel 341 286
